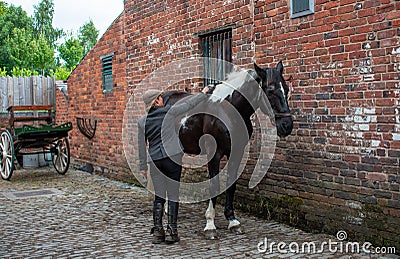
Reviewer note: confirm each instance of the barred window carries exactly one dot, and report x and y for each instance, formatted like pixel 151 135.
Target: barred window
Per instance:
pixel 106 62
pixel 301 8
pixel 216 47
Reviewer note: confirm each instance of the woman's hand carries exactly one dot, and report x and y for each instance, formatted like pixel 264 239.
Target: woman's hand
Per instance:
pixel 207 89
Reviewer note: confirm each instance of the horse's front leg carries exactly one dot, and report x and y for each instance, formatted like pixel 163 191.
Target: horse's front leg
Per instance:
pixel 210 231
pixel 233 167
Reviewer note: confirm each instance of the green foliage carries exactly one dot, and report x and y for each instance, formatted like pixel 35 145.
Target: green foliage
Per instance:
pixel 3 71
pixel 14 17
pixel 20 51
pixel 61 73
pixel 284 208
pixel 71 52
pixel 43 22
pixel 88 35
pixel 16 71
pixel 42 54
pixel 29 53
pixel 372 208
pixel 28 44
pixel 3 8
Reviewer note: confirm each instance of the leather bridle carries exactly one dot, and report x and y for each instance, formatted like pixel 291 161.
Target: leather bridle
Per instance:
pixel 279 115
pixel 282 115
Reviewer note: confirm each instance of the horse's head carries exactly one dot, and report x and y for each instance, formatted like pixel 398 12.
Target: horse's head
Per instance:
pixel 277 91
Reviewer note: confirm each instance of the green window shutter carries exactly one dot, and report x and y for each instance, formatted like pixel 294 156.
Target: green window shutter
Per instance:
pixel 107 73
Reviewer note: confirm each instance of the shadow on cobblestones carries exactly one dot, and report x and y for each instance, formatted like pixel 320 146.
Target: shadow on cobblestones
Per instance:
pixel 94 217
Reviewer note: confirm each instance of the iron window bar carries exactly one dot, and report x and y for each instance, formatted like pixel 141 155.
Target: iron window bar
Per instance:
pixel 217 51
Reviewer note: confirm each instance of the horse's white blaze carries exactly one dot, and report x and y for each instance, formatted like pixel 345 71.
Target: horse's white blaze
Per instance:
pixel 282 90
pixel 210 216
pixel 233 223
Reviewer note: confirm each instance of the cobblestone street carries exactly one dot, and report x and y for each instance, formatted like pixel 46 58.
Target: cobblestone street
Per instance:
pixel 88 216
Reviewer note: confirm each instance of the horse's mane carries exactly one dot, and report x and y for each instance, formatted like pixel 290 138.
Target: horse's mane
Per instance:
pixel 235 80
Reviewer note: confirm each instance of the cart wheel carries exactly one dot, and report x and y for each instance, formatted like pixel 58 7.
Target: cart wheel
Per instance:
pixel 60 155
pixel 7 155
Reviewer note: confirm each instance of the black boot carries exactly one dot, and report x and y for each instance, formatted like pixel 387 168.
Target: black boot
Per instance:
pixel 172 228
pixel 158 230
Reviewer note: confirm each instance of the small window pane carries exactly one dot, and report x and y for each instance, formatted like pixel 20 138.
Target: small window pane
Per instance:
pixel 300 8
pixel 217 47
pixel 107 83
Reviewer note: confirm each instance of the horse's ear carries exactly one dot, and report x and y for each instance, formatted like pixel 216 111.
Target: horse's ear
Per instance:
pixel 260 72
pixel 279 67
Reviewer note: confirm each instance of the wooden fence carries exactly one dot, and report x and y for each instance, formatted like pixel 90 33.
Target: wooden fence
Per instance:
pixel 33 90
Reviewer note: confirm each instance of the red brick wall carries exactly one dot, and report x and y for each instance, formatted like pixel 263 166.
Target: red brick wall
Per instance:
pixel 339 170
pixel 343 155
pixel 87 100
pixel 61 106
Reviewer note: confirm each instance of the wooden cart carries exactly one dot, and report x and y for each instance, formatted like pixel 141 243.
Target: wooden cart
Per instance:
pixel 16 141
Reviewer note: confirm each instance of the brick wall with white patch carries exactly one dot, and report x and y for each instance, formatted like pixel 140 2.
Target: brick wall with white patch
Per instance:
pixel 342 159
pixel 339 170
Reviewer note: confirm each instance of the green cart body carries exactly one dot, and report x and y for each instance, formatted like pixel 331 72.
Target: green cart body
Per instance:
pixel 19 140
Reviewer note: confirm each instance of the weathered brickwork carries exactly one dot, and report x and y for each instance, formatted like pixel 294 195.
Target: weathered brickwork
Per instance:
pixel 61 105
pixel 342 159
pixel 87 100
pixel 339 170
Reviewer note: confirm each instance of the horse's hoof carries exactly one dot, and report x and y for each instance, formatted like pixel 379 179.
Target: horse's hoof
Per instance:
pixel 237 230
pixel 211 234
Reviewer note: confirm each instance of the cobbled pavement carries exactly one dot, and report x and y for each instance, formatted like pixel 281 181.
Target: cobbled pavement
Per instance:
pixel 95 217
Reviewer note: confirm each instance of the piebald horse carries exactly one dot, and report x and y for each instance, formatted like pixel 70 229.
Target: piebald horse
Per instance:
pixel 246 91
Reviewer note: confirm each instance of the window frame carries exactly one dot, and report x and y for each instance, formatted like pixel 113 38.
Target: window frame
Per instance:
pixel 107 71
pixel 222 38
pixel 311 4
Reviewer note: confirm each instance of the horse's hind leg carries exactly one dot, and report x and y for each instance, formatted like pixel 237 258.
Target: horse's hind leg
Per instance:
pixel 210 231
